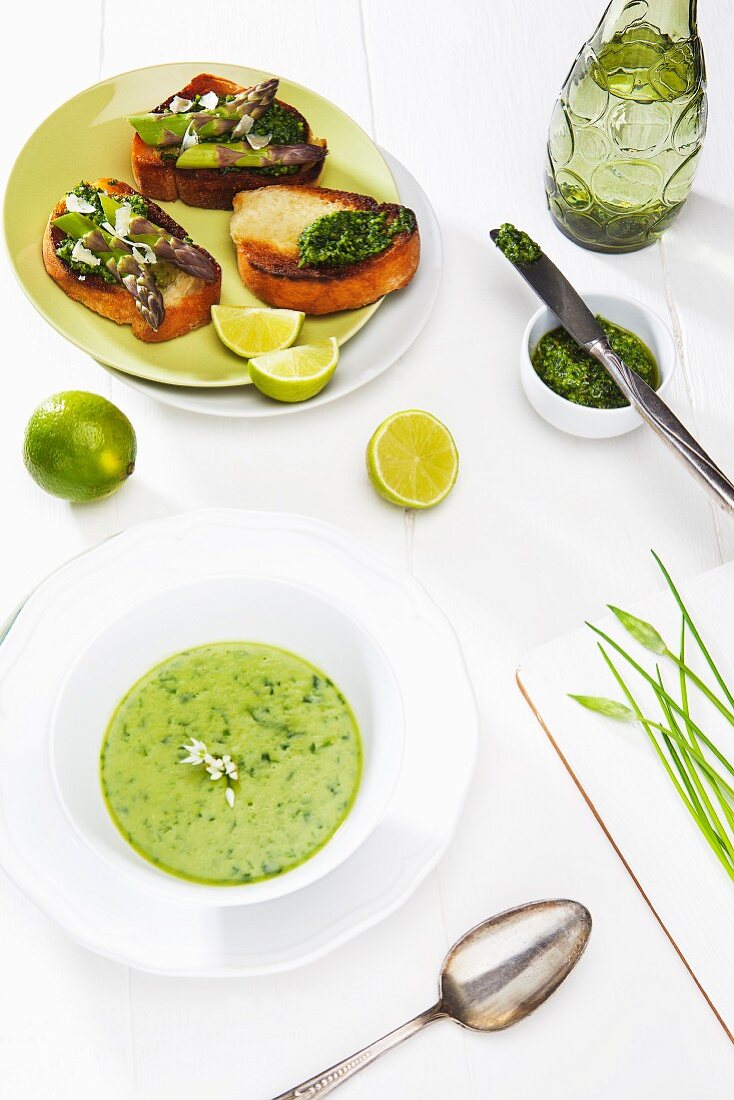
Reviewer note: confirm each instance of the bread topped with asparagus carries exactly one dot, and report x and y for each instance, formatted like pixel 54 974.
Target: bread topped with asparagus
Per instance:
pixel 318 250
pixel 120 255
pixel 214 138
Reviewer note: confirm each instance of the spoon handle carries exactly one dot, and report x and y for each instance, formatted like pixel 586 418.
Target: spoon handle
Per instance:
pixel 325 1082
pixel 666 424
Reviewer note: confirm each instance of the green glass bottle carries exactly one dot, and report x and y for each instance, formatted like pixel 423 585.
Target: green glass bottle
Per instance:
pixel 627 129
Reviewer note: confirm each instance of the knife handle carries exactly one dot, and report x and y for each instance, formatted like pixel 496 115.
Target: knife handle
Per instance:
pixel 666 425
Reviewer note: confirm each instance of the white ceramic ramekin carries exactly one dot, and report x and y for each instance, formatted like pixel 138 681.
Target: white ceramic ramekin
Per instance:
pixel 580 419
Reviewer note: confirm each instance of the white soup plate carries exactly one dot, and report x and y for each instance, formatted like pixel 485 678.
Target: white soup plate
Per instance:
pixel 80 639
pixel 215 609
pixel 377 346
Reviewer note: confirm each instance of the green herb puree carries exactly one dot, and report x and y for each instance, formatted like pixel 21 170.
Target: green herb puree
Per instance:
pixel 517 245
pixel 572 373
pixel 285 725
pixel 348 236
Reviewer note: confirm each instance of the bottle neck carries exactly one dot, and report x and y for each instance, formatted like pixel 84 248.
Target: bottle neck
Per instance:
pixel 675 18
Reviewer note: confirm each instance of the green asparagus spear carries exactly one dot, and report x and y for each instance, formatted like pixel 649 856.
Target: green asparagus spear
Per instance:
pixel 142 231
pixel 166 247
pixel 167 129
pixel 160 130
pixel 74 225
pixel 92 236
pixel 137 279
pixel 255 101
pixel 139 282
pixel 172 250
pixel 238 154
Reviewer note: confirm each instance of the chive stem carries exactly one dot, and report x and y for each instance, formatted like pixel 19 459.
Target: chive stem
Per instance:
pixel 657 689
pixel 690 758
pixel 713 818
pixel 702 823
pixel 692 627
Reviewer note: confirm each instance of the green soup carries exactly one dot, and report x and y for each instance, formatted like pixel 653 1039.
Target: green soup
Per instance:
pixel 290 738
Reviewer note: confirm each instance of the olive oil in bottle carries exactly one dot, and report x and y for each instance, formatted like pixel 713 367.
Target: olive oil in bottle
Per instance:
pixel 627 129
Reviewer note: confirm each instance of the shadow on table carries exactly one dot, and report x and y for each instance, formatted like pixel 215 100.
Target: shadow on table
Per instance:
pixel 134 503
pixel 705 236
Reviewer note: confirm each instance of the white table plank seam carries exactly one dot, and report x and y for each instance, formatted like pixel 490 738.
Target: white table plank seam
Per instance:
pixel 368 74
pixel 464 1036
pixel 102 27
pixel 131 1025
pixel 680 342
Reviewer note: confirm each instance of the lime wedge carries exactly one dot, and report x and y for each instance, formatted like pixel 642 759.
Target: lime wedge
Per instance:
pixel 257 330
pixel 297 373
pixel 412 459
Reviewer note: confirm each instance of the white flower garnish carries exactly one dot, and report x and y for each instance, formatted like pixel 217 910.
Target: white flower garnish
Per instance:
pixel 243 126
pixel 209 101
pixel 178 105
pixel 215 769
pixel 230 767
pixel 75 205
pixel 216 766
pixel 84 256
pixel 259 141
pixel 197 751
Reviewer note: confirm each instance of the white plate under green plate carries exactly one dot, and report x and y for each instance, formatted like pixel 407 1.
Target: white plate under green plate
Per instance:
pixel 399 322
pixel 87 137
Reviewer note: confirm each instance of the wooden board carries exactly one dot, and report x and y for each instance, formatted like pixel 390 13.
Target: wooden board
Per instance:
pixel 628 791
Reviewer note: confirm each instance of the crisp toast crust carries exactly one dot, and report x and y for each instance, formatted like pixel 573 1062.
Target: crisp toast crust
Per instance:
pixel 209 187
pixel 188 300
pixel 267 254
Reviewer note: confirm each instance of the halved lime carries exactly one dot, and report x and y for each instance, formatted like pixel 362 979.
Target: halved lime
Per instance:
pixel 412 459
pixel 257 330
pixel 297 373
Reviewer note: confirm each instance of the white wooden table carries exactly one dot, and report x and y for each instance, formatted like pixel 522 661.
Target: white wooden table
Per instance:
pixel 540 532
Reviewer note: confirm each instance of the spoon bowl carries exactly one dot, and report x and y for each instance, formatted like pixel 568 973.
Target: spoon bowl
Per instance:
pixel 502 970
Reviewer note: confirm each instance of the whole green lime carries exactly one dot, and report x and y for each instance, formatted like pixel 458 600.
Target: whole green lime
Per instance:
pixel 79 446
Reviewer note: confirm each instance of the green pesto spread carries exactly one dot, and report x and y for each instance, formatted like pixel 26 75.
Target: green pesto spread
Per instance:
pixel 348 236
pixel 517 245
pixel 91 194
pixel 572 373
pixel 284 127
pixel 287 728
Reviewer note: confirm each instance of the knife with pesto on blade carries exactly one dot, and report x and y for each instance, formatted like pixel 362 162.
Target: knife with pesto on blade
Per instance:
pixel 554 289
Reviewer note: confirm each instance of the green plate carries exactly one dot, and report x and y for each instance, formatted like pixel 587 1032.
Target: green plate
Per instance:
pixel 89 137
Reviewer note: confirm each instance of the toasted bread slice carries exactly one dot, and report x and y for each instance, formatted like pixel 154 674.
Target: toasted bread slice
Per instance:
pixel 188 300
pixel 265 228
pixel 156 174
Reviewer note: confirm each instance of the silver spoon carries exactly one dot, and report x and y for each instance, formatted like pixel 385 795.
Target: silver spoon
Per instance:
pixel 493 977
